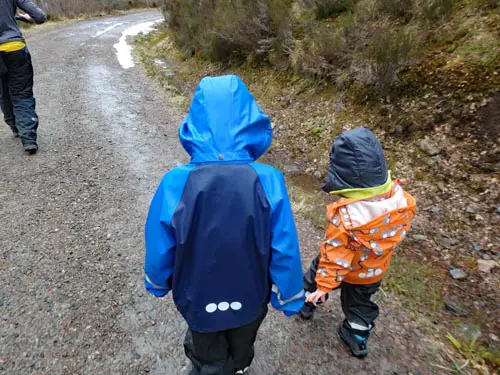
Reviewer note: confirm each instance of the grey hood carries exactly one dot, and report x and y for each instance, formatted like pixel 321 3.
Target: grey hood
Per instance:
pixel 357 161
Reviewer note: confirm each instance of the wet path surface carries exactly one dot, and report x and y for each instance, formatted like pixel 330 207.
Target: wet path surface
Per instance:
pixel 71 232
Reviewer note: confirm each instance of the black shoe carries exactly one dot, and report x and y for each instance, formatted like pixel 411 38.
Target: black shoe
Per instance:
pixel 307 311
pixel 356 340
pixel 31 148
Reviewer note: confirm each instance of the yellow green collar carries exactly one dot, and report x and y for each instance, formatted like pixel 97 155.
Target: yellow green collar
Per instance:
pixel 365 193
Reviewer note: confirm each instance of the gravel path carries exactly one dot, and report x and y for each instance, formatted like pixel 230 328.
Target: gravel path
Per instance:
pixel 71 233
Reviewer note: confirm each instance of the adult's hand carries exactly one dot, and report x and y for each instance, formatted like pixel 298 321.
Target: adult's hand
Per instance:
pixel 24 18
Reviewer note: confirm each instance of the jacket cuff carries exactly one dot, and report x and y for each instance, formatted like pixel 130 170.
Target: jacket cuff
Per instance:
pixel 155 289
pixel 327 288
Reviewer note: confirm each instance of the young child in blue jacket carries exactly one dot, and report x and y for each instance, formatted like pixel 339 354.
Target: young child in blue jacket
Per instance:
pixel 220 231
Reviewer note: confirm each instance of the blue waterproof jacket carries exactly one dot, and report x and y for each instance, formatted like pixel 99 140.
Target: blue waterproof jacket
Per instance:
pixel 220 232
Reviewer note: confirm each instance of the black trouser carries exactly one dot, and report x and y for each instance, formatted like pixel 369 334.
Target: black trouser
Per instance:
pixel 224 352
pixel 356 299
pixel 16 94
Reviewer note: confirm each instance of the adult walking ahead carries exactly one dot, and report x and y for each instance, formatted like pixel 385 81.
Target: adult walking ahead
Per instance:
pixel 16 71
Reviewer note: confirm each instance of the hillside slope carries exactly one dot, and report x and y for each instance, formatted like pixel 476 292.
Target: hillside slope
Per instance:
pixel 425 80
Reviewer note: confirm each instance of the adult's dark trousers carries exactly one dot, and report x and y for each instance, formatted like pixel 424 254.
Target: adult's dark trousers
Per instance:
pixel 356 299
pixel 224 352
pixel 16 94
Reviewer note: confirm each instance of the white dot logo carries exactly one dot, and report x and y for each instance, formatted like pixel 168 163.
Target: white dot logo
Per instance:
pixel 362 275
pixel 236 306
pixel 378 272
pixel 211 308
pixel 223 306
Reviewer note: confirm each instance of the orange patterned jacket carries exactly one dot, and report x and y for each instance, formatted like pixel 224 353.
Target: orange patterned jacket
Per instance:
pixel 361 237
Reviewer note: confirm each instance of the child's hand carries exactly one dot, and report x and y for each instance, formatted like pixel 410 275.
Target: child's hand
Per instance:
pixel 315 297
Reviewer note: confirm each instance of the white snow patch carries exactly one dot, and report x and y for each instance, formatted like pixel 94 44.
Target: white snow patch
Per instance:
pixel 124 50
pixel 107 29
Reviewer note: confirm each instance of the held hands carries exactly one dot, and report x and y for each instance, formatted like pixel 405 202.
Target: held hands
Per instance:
pixel 317 296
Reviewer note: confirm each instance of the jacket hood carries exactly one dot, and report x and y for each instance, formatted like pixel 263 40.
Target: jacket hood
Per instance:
pixel 357 161
pixel 225 123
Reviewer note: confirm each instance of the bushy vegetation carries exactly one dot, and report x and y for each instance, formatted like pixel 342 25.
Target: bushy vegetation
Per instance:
pixel 73 8
pixel 230 30
pixel 346 42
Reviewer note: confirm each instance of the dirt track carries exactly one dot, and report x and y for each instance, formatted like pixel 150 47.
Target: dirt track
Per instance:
pixel 71 233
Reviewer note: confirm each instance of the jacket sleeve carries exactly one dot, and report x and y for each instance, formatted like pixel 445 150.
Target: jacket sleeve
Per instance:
pixel 160 236
pixel 33 10
pixel 286 267
pixel 335 259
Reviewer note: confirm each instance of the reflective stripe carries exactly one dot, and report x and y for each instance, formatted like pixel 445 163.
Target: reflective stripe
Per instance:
pixel 155 286
pixel 359 327
pixel 294 298
pixel 12 46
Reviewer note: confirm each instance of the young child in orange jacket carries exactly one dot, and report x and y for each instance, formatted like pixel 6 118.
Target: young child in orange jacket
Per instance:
pixel 365 225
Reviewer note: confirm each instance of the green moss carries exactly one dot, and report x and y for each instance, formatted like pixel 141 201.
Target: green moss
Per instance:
pixel 484 48
pixel 307 201
pixel 416 283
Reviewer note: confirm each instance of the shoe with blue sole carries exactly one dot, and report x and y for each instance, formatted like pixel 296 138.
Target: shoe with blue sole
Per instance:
pixel 356 340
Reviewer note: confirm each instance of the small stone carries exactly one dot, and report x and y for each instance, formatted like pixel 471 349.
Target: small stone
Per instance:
pixel 476 247
pixel 429 147
pixel 458 274
pixel 419 237
pixel 455 309
pixel 436 159
pixel 435 210
pixel 108 236
pixel 291 169
pixel 447 242
pixel 479 217
pixel 470 209
pixel 486 266
pixel 486 256
pixel 498 209
pixel 399 130
pixel 317 175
